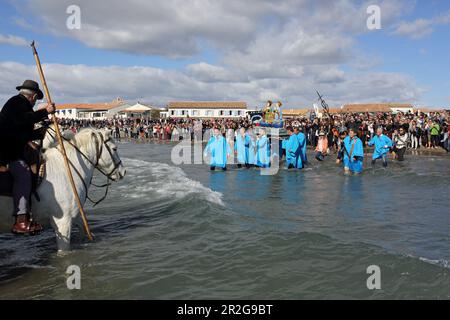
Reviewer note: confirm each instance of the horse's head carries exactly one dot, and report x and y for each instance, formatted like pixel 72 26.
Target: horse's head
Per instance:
pixel 108 158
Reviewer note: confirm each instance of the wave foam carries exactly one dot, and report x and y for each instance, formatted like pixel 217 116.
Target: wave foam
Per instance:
pixel 443 263
pixel 165 180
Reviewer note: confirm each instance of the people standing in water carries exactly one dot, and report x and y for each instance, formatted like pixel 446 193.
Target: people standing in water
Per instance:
pixel 219 150
pixel 293 150
pixel 322 147
pixel 401 140
pixel 251 147
pixel 341 147
pixel 302 141
pixel 382 145
pixel 353 153
pixel 262 149
pixel 242 148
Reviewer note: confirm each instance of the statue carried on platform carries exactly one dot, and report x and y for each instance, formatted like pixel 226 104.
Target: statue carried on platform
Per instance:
pixel 272 116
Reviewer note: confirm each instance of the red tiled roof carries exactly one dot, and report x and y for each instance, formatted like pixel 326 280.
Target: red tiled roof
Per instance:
pixel 294 112
pixel 91 106
pixel 207 105
pixel 374 107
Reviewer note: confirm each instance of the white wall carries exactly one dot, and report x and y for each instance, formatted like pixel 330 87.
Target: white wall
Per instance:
pixel 81 114
pixel 67 113
pixel 207 113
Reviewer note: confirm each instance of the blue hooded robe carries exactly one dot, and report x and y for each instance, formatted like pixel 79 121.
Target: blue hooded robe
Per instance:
pixel 242 146
pixel 380 143
pixel 218 148
pixel 252 151
pixel 355 165
pixel 293 152
pixel 302 141
pixel 262 152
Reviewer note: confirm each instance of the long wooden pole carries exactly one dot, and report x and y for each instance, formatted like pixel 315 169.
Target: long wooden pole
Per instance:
pixel 63 149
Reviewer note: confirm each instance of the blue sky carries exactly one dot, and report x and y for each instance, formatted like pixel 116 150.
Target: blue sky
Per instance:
pixel 425 59
pixel 201 59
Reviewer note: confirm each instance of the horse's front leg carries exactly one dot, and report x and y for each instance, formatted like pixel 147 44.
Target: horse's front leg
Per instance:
pixel 63 229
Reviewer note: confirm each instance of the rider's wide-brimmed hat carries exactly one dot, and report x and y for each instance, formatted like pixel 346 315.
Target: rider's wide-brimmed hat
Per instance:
pixel 33 86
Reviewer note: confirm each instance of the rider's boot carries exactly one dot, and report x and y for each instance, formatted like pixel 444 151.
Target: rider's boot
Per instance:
pixel 25 225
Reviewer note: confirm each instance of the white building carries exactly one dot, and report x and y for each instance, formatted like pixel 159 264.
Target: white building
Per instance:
pixel 88 111
pixel 205 109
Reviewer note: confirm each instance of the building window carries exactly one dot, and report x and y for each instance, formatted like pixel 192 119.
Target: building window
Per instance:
pixel 239 113
pixel 230 113
pixel 221 112
pixel 172 112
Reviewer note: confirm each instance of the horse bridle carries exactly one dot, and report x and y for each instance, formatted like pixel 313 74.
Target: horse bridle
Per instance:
pixel 101 144
pixel 99 150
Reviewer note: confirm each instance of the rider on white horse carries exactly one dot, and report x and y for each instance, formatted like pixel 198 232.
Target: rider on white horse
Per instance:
pixel 17 131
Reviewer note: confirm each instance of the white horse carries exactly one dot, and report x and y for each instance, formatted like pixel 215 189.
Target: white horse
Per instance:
pixel 50 140
pixel 58 206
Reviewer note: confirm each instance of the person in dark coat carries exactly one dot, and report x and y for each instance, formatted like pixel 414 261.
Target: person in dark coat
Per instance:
pixel 17 129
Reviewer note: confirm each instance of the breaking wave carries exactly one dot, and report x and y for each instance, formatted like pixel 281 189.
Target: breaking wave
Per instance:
pixel 164 180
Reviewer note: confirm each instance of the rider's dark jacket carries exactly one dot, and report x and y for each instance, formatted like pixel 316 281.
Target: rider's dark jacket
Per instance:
pixel 17 120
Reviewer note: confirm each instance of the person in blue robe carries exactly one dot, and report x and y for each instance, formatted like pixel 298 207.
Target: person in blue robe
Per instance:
pixel 303 144
pixel 382 145
pixel 353 153
pixel 219 150
pixel 242 148
pixel 262 150
pixel 251 147
pixel 283 147
pixel 293 150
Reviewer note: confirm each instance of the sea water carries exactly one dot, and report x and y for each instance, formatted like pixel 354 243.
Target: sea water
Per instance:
pixel 169 231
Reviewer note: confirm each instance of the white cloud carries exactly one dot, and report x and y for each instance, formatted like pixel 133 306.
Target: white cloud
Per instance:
pixel 285 52
pixel 176 28
pixel 330 76
pixel 442 19
pixel 171 28
pixel 81 83
pixel 209 73
pixel 13 40
pixel 415 30
pixel 265 49
pixel 420 28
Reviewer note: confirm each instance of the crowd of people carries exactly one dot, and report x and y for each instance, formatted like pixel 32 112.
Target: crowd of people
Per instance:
pixel 413 130
pixel 344 134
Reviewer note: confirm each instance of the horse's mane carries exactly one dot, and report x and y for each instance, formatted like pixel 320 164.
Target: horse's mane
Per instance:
pixel 84 137
pixel 81 140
